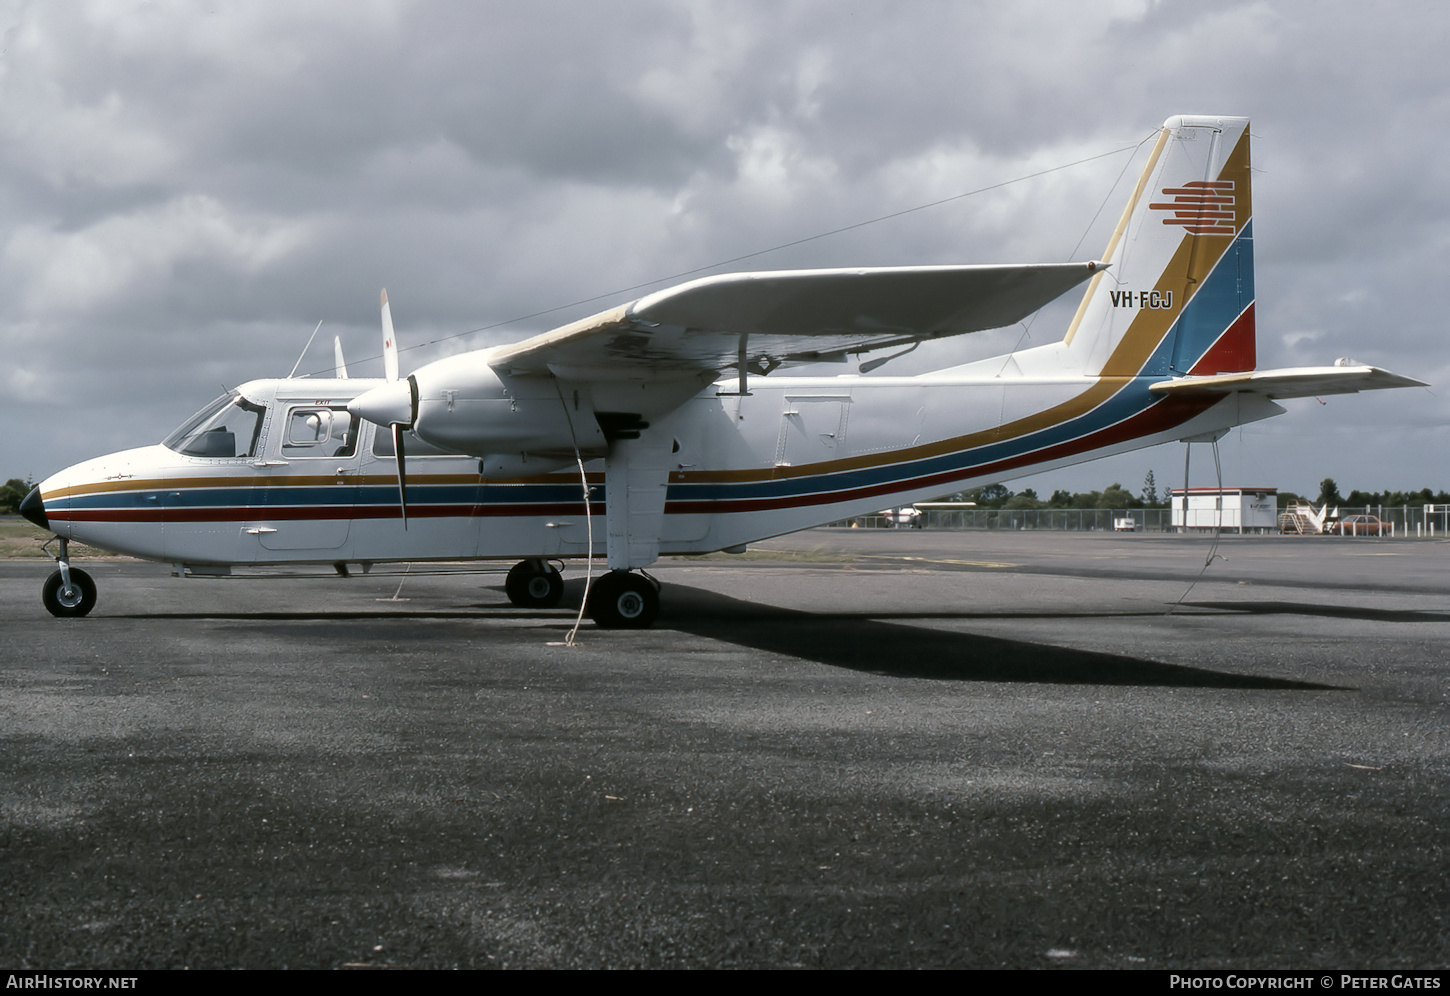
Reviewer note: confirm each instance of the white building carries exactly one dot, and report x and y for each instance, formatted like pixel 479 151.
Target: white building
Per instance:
pixel 1236 509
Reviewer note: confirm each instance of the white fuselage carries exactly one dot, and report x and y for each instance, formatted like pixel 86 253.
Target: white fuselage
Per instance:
pixel 793 453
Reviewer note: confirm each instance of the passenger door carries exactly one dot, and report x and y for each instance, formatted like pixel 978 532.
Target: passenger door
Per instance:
pixel 311 500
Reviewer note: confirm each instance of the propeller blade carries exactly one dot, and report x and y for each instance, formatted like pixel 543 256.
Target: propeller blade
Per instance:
pixel 402 471
pixel 339 365
pixel 390 342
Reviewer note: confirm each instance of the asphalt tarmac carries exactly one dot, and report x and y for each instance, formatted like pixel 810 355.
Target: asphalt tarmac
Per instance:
pixel 844 749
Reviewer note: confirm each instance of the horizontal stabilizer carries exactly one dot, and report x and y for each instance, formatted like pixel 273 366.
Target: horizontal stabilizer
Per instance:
pixel 1290 382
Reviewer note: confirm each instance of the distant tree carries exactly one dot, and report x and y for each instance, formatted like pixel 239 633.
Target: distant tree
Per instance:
pixel 12 493
pixel 1027 498
pixel 994 496
pixel 1117 496
pixel 1150 490
pixel 1287 498
pixel 1329 493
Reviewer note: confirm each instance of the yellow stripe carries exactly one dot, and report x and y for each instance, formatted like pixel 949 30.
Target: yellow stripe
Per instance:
pixel 1192 261
pixel 257 480
pixel 1118 233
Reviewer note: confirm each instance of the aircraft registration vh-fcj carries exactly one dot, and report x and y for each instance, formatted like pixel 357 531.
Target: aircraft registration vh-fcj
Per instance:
pixel 666 402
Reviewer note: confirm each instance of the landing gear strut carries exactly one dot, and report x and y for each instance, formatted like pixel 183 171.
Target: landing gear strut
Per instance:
pixel 622 600
pixel 534 584
pixel 69 591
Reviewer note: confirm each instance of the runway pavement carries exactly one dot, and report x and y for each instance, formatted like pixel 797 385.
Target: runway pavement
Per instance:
pixel 847 748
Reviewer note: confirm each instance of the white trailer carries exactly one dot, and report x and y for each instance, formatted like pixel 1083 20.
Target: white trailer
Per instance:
pixel 1236 509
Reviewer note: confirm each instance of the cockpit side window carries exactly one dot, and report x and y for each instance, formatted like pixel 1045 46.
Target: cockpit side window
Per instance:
pixel 320 432
pixel 227 428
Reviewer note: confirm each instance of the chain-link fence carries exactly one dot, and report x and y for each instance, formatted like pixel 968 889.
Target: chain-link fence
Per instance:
pixel 1403 520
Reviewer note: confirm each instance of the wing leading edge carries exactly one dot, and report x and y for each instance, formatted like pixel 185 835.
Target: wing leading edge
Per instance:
pixel 784 317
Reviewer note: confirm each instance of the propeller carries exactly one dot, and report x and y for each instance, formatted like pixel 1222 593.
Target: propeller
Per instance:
pixel 394 404
pixel 390 343
pixel 339 365
pixel 402 471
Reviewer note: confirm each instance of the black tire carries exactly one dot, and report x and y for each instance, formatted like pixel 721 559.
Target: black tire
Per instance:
pixel 78 600
pixel 621 600
pixel 529 587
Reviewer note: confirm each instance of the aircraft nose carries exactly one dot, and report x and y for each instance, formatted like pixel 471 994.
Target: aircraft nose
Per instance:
pixel 34 509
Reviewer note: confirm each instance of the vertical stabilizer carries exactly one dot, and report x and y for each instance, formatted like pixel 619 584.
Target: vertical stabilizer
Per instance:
pixel 1179 296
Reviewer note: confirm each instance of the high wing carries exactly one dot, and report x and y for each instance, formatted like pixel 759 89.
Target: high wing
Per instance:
pixel 1290 382
pixel 765 320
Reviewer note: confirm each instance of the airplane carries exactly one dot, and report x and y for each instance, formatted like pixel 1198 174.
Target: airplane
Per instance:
pixel 666 425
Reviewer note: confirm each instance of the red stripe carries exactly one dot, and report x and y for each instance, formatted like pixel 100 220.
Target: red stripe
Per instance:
pixel 1163 415
pixel 1234 350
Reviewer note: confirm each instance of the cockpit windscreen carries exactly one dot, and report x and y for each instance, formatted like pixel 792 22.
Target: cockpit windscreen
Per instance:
pixel 227 428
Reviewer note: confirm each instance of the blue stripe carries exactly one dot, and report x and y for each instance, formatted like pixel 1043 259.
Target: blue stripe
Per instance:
pixel 1226 292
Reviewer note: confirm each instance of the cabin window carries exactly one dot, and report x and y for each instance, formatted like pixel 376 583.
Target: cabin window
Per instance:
pixel 226 429
pixel 320 432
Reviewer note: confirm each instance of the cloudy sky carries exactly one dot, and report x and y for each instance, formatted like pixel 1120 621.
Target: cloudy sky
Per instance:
pixel 188 188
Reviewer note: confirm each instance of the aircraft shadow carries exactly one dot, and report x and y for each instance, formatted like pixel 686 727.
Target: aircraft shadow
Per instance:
pixel 860 642
pixel 870 643
pixel 1332 611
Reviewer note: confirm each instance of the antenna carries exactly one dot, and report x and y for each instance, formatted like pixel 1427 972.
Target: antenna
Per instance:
pixel 304 350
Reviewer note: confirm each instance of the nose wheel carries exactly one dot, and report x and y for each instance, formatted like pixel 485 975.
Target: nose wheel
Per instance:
pixel 534 584
pixel 75 597
pixel 622 600
pixel 68 592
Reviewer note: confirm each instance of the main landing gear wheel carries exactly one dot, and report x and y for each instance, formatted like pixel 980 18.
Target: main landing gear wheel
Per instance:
pixel 534 584
pixel 621 600
pixel 75 599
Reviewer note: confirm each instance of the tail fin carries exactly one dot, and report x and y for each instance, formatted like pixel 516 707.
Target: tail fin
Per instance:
pixel 1179 296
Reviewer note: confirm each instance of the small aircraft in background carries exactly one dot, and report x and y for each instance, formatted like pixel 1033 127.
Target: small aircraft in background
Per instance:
pixel 668 422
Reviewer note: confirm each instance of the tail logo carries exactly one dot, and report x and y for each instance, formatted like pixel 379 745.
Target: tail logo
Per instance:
pixel 1202 207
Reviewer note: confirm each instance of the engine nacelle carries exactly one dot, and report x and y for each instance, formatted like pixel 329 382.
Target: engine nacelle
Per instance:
pixel 524 425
